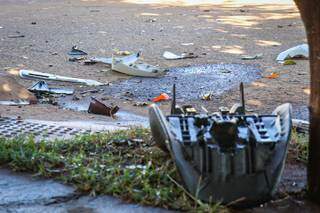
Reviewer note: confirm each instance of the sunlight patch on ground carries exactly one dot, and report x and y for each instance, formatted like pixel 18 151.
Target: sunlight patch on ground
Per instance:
pixel 233 49
pixel 208 2
pixel 265 43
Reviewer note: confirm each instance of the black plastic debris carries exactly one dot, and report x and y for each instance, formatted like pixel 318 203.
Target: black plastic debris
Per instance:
pixel 42 87
pixel 226 156
pixel 76 51
pixel 97 107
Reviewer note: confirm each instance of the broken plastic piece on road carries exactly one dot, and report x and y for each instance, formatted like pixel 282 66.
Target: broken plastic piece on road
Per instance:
pixel 273 75
pixel 16 36
pixel 207 96
pixel 43 87
pixel 75 59
pixel 161 97
pixel 187 44
pixel 171 56
pixel 76 51
pixel 15 103
pixel 294 52
pixel 140 104
pixel 97 107
pixel 30 74
pixel 126 59
pixel 252 57
pixel 135 69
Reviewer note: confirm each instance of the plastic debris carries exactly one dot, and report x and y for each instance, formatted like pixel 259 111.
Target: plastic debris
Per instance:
pixel 76 51
pixel 171 56
pixel 161 97
pixel 30 74
pixel 140 104
pixel 15 103
pixel 97 107
pixel 187 44
pixel 16 36
pixel 252 57
pixel 75 59
pixel 273 75
pixel 294 52
pixel 126 59
pixel 207 96
pixel 125 66
pixel 42 87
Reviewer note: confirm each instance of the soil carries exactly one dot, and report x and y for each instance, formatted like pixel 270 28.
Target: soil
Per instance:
pixel 38 34
pixel 220 33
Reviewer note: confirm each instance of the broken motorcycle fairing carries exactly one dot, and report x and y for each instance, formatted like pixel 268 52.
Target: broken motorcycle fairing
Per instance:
pixel 226 156
pixel 136 69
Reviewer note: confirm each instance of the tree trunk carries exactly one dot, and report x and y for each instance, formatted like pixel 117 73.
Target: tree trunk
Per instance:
pixel 310 14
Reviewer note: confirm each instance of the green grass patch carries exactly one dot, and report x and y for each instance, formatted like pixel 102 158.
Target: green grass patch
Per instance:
pixel 124 164
pixel 299 146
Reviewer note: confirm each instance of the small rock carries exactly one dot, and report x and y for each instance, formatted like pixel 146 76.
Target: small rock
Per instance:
pixel 33 23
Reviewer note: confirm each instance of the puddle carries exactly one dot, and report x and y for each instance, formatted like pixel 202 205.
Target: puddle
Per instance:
pixel 191 81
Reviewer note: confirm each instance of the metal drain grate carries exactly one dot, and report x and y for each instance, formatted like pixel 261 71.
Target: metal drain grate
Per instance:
pixel 12 127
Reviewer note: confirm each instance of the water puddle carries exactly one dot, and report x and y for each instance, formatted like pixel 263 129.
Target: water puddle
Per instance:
pixel 191 81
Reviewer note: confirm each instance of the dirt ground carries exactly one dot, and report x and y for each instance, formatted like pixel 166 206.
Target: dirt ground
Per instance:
pixel 221 32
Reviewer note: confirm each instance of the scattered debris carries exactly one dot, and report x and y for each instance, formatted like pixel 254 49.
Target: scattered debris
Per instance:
pixel 273 75
pixel 225 136
pixel 252 57
pixel 207 96
pixel 13 93
pixel 161 97
pixel 171 56
pixel 97 107
pixel 135 69
pixel 300 51
pixel 140 104
pixel 16 36
pixel 289 62
pixel 75 59
pixel 89 91
pixel 42 87
pixel 33 23
pixel 30 74
pixel 151 20
pixel 15 103
pixel 187 44
pixel 127 59
pixel 89 62
pixel 76 51
pixel 301 126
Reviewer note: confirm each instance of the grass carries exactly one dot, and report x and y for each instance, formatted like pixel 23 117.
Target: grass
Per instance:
pixel 124 164
pixel 299 147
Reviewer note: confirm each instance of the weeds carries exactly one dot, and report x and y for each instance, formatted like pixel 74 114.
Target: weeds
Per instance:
pixel 124 164
pixel 299 147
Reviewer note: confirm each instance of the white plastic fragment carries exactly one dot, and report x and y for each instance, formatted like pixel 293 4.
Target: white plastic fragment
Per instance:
pixel 297 51
pixel 31 74
pixel 171 56
pixel 14 103
pixel 252 57
pixel 136 69
pixel 127 59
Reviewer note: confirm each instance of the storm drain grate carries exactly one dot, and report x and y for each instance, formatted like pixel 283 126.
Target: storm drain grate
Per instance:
pixel 13 127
